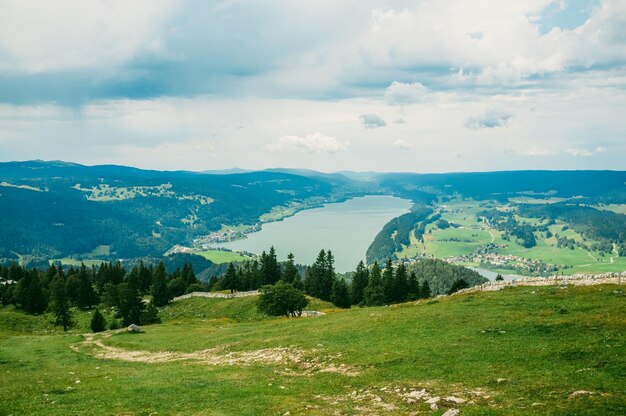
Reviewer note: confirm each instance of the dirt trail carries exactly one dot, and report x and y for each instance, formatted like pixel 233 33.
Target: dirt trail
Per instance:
pixel 216 356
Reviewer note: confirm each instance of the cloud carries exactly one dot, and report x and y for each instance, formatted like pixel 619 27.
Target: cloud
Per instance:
pixel 401 144
pixel 400 93
pixel 372 121
pixel 536 151
pixel 489 120
pixel 312 143
pixel 585 152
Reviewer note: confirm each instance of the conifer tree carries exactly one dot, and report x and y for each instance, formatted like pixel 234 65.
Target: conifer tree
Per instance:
pixel 29 292
pixel 413 287
pixel 290 274
pixel 130 305
pixel 359 283
pixel 425 290
pixel 86 295
pixel 340 295
pixel 270 269
pixel 374 293
pixel 60 303
pixel 388 282
pixel 400 284
pixel 160 294
pixel 229 281
pixel 98 323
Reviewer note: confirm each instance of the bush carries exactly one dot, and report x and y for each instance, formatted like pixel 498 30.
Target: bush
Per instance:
pixel 282 299
pixel 458 285
pixel 150 315
pixel 98 323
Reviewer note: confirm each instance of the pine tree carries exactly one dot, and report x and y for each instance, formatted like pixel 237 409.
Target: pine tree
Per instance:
pixel 59 303
pixel 130 305
pixel 230 281
pixel 425 290
pixel 150 315
pixel 340 295
pixel 160 294
pixel 98 323
pixel 458 285
pixel 145 277
pixel 413 287
pixel 86 295
pixel 29 292
pixel 388 282
pixel 320 276
pixel 359 283
pixel 400 284
pixel 270 269
pixel 313 275
pixel 290 273
pixel 374 294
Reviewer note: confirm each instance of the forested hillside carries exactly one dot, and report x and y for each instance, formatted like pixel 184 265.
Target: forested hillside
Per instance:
pixel 52 209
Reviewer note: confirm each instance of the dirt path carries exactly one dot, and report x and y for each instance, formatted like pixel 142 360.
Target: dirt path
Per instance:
pixel 282 356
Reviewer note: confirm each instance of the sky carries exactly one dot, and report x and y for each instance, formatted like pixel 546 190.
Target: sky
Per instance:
pixel 414 86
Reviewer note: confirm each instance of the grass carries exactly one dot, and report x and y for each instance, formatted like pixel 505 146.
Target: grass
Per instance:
pixel 544 342
pixel 221 256
pixel 470 236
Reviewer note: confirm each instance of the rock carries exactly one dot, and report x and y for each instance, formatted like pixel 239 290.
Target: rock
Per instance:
pixel 453 399
pixel 578 393
pixel 434 407
pixel 501 380
pixel 452 412
pixel 135 329
pixel 433 400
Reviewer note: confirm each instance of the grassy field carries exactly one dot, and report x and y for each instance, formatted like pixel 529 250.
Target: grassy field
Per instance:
pixel 472 234
pixel 521 351
pixel 220 256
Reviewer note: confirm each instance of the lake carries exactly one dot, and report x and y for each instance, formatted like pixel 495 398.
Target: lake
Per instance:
pixel 346 228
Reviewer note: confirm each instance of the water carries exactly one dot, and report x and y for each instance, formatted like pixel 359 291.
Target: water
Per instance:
pixel 346 228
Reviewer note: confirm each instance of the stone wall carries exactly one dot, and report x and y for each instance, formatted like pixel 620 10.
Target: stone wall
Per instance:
pixel 576 279
pixel 216 295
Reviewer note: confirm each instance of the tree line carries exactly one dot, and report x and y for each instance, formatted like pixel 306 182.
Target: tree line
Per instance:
pixel 366 286
pixel 58 289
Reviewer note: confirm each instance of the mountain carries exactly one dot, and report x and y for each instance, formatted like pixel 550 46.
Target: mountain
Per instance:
pixel 52 209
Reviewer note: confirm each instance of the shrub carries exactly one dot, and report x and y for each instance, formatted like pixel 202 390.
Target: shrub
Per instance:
pixel 98 323
pixel 282 299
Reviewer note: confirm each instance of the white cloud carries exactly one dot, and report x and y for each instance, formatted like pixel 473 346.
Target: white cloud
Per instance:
pixel 69 34
pixel 536 151
pixel 489 120
pixel 372 121
pixel 312 143
pixel 401 144
pixel 400 93
pixel 585 152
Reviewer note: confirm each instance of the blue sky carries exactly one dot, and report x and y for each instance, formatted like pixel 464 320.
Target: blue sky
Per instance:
pixel 391 85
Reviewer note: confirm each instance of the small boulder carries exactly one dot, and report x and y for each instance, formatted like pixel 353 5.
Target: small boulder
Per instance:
pixel 579 393
pixel 134 329
pixel 452 412
pixel 453 399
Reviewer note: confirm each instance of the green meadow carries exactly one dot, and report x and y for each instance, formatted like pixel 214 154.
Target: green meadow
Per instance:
pixel 221 256
pixel 520 351
pixel 472 234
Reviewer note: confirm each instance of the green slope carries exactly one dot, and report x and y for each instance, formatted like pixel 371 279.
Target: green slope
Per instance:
pixel 542 344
